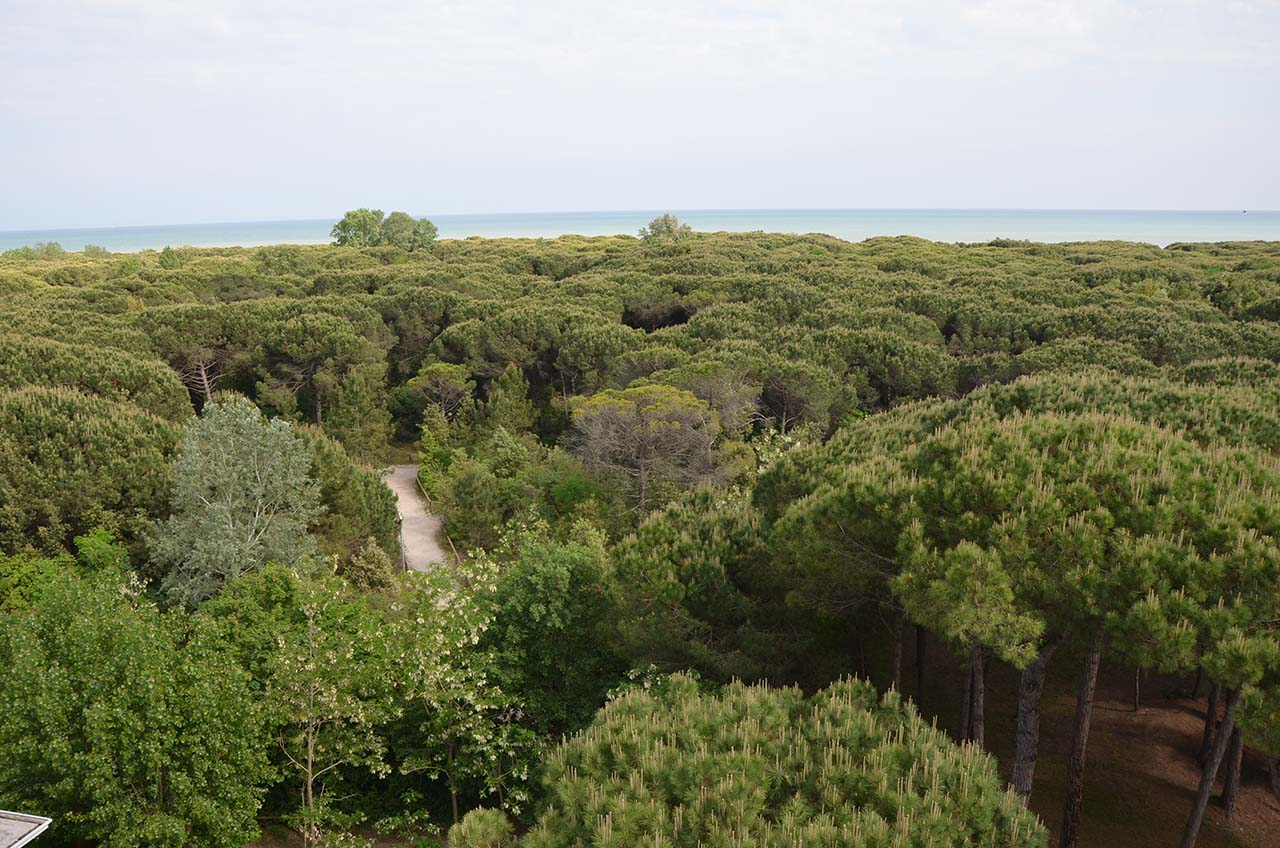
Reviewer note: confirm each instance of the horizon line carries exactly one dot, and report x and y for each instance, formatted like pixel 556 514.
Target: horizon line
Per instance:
pixel 779 209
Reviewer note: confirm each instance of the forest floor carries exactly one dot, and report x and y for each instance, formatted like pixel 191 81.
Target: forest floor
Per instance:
pixel 1141 773
pixel 421 531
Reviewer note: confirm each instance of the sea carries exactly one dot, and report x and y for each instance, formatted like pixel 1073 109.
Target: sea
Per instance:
pixel 947 225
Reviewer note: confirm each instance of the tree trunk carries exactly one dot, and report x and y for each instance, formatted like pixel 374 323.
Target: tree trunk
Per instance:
pixel 1210 772
pixel 1210 721
pixel 1195 689
pixel 1231 784
pixel 206 383
pixel 1070 833
pixel 979 714
pixel 899 624
pixel 1027 736
pixel 919 667
pixel 309 835
pixel 966 707
pixel 1273 772
pixel 1137 689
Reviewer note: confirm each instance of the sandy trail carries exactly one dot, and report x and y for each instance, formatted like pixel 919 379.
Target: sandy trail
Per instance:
pixel 421 531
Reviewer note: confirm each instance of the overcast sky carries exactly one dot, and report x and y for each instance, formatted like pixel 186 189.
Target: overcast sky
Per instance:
pixel 117 112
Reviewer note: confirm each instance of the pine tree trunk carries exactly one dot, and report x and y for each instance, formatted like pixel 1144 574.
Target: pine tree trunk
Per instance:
pixel 1210 721
pixel 1027 736
pixel 1231 784
pixel 1195 689
pixel 899 625
pixel 1137 689
pixel 1273 772
pixel 206 385
pixel 1070 833
pixel 979 715
pixel 1210 773
pixel 920 646
pixel 966 707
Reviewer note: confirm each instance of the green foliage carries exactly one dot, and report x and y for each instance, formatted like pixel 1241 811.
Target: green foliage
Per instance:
pixel 483 828
pixel 22 576
pixel 1083 520
pixel 357 506
pixel 852 373
pixel 321 363
pixel 126 726
pixel 402 230
pixel 370 568
pixel 358 416
pixel 280 259
pixel 328 692
pixel 466 728
pixel 71 462
pixel 665 229
pixel 322 661
pixel 99 551
pixel 104 372
pixel 503 477
pixel 1004 530
pixel 359 228
pixel 770 767
pixel 39 250
pixel 370 228
pixel 472 504
pixel 552 614
pixel 508 403
pixel 243 496
pixel 1207 414
pixel 445 387
pixel 169 259
pixel 1238 371
pixel 696 591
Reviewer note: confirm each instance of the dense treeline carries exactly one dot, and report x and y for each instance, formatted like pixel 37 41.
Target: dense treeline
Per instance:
pixel 742 456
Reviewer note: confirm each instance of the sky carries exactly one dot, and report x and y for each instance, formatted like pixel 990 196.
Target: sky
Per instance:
pixel 130 112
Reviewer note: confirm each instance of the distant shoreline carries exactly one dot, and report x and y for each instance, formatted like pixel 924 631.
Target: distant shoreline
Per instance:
pixel 1160 227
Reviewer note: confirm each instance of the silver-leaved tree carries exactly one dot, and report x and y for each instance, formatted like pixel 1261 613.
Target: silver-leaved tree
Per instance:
pixel 242 497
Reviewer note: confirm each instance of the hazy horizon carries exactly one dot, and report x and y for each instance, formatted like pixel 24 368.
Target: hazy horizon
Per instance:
pixel 140 112
pixel 955 225
pixel 654 211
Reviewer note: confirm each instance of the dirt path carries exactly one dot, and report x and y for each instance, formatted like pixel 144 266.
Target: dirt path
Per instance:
pixel 421 531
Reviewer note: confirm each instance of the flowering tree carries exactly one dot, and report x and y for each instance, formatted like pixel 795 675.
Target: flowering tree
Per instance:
pixel 469 731
pixel 329 692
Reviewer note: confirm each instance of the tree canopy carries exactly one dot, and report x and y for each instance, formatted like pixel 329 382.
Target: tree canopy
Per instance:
pixel 768 766
pixel 243 496
pixel 776 458
pixel 127 725
pixel 371 228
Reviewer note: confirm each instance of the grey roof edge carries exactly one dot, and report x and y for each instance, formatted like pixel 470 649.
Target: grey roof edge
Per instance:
pixel 35 825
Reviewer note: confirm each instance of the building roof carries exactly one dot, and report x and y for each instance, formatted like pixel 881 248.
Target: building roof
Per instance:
pixel 19 829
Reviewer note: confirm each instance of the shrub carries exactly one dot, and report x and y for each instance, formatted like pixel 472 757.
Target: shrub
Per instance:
pixel 482 828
